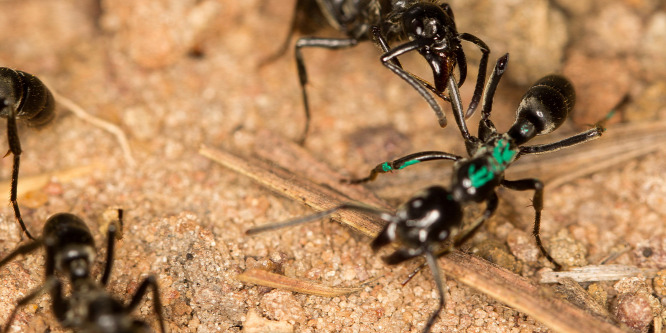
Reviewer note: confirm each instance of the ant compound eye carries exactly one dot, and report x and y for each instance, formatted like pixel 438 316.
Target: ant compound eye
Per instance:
pixel 416 27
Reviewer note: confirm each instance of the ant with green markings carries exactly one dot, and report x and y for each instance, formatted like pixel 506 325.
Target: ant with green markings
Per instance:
pixel 430 223
pixel 543 108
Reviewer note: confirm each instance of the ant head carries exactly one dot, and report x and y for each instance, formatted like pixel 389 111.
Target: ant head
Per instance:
pixel 428 218
pixel 432 26
pixel 429 21
pixel 543 109
pixel 472 180
pixel 69 244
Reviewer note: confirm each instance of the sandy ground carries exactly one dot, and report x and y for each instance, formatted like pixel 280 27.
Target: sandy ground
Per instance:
pixel 177 74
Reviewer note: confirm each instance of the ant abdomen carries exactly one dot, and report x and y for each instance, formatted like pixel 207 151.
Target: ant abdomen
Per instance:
pixel 544 108
pixel 27 95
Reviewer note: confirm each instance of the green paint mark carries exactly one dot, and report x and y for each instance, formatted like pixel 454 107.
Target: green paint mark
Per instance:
pixel 480 177
pixel 501 157
pixel 524 129
pixel 386 167
pixel 408 163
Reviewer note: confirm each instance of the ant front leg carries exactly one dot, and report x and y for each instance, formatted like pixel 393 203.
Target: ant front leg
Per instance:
pixel 417 84
pixel 150 281
pixel 60 307
pixel 404 162
pixel 383 44
pixel 15 150
pixel 481 77
pixel 537 203
pixel 110 244
pixel 586 136
pixel 431 259
pixel 327 43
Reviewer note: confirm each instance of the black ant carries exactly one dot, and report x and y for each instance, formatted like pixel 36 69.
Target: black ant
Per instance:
pixel 70 250
pixel 22 96
pixel 543 108
pixel 433 217
pixel 420 226
pixel 428 25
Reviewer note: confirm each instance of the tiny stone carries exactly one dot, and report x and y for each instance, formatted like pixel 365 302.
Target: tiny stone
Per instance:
pixel 567 251
pixel 598 293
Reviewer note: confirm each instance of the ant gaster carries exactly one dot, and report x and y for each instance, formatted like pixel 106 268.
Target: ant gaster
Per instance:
pixel 70 250
pixel 430 223
pixel 22 96
pixel 428 25
pixel 543 108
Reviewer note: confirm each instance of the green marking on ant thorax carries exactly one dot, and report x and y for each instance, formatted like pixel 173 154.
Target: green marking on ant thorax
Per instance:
pixel 503 154
pixel 479 177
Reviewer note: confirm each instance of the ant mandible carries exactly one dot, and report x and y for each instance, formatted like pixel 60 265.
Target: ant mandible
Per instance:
pixel 70 250
pixel 428 26
pixel 22 96
pixel 543 108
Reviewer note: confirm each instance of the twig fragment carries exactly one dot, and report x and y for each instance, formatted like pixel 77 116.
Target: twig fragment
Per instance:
pixel 594 273
pixel 273 280
pixel 95 121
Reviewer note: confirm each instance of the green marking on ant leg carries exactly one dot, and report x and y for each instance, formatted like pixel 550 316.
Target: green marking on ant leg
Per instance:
pixel 408 163
pixel 386 167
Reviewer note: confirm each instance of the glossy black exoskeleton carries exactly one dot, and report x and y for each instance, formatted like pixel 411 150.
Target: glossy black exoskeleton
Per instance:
pixel 420 227
pixel 70 251
pixel 543 108
pixel 22 97
pixel 427 26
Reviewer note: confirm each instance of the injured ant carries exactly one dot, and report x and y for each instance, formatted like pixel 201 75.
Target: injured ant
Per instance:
pixel 25 97
pixel 428 26
pixel 70 250
pixel 419 226
pixel 543 108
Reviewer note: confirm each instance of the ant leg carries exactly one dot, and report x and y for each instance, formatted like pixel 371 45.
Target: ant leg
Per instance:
pixel 537 203
pixel 586 136
pixel 457 106
pixel 111 240
pixel 431 259
pixel 481 77
pixel 327 43
pixel 21 250
pixel 287 40
pixel 402 163
pixel 150 281
pixel 316 216
pixel 383 44
pixel 60 307
pixel 400 255
pixel 387 60
pixel 486 126
pixel 15 150
pixel 381 41
pixel 491 207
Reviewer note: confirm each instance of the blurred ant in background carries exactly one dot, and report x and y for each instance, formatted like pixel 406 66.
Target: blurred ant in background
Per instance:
pixel 425 26
pixel 70 251
pixel 22 97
